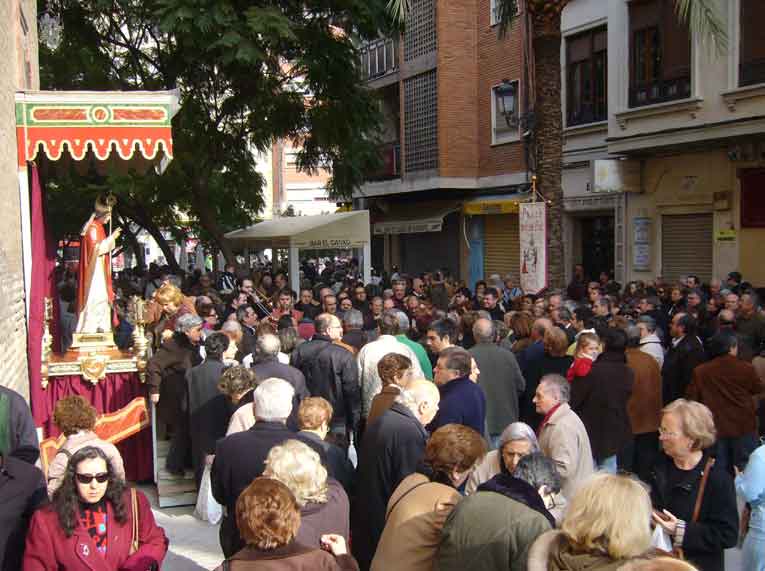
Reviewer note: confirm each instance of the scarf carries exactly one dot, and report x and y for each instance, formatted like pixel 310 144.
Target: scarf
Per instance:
pixel 546 418
pixel 517 490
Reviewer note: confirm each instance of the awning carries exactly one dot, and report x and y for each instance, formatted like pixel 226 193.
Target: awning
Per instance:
pixel 413 218
pixel 496 204
pixel 99 120
pixel 340 231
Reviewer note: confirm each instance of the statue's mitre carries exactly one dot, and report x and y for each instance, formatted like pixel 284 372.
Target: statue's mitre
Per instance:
pixel 104 204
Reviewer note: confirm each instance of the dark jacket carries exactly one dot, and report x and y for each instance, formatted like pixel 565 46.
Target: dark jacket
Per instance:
pixel 291 557
pixel 462 402
pixel 534 372
pixel 166 375
pixel 208 409
pixel 391 450
pixel 22 490
pixel 678 367
pixel 334 375
pixel 356 338
pixel 333 516
pixel 304 353
pixel 265 368
pixel 48 548
pixel 717 526
pixel 726 385
pixel 239 459
pixel 502 383
pixel 600 399
pixel 21 437
pixel 338 465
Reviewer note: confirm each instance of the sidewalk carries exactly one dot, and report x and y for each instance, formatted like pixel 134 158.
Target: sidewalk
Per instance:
pixel 194 543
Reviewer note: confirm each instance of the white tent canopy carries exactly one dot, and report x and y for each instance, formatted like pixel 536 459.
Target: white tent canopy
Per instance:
pixel 342 231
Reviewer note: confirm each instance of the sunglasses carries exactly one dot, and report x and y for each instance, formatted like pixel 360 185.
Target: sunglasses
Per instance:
pixel 88 478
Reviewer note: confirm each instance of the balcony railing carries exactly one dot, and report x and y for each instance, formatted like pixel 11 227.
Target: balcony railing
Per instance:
pixel 378 58
pixel 752 72
pixel 390 153
pixel 660 91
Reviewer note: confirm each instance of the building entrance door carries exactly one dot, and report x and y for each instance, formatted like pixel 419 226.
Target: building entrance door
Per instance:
pixel 597 245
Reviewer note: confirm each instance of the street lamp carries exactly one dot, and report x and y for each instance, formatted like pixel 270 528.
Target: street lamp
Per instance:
pixel 508 99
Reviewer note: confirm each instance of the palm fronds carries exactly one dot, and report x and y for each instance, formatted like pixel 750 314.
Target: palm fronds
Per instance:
pixel 705 20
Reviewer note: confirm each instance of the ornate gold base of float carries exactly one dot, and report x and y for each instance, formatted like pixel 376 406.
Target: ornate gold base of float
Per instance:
pixel 91 341
pixel 94 355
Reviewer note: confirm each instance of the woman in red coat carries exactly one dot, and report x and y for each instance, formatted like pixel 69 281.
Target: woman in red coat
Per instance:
pixel 89 524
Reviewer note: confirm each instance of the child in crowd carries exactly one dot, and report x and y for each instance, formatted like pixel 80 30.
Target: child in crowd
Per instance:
pixel 587 350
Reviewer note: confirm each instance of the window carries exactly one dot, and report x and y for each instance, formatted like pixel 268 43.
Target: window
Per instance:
pixel 505 116
pixel 378 58
pixel 751 68
pixel 660 54
pixel 586 72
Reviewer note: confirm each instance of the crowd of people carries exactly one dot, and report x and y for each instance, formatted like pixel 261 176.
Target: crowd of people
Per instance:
pixel 414 423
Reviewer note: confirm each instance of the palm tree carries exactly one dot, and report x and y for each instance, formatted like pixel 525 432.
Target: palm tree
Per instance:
pixel 540 23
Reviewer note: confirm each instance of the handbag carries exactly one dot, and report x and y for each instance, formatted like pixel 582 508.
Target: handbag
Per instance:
pixel 134 509
pixel 678 551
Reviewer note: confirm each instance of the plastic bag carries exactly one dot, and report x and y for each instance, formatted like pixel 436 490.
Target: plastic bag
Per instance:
pixel 661 540
pixel 207 508
pixel 352 454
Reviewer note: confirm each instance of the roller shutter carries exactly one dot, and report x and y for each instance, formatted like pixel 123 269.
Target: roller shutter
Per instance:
pixel 501 249
pixel 687 245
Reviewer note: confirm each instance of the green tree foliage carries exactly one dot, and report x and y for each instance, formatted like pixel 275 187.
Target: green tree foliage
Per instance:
pixel 249 72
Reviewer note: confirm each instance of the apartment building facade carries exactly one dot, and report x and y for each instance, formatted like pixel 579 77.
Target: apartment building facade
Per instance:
pixel 664 141
pixel 452 94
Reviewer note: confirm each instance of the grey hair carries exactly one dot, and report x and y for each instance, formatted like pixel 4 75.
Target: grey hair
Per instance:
pixel 483 330
pixel 353 319
pixel 519 431
pixel 403 321
pixel 272 400
pixel 231 326
pixel 538 470
pixel 186 322
pixel 564 314
pixel 268 344
pixel 558 384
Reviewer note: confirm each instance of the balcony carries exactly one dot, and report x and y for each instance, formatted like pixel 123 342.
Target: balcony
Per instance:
pixel 390 155
pixel 378 59
pixel 660 91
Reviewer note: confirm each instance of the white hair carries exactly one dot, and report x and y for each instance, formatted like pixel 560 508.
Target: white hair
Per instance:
pixel 298 467
pixel 268 344
pixel 272 400
pixel 231 327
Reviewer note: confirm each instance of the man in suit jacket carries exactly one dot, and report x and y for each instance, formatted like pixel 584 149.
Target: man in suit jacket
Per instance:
pixel 241 457
pixel 684 355
pixel 391 450
pixel 562 436
pixel 726 385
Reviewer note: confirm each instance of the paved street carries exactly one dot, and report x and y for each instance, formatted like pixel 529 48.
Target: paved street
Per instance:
pixel 193 543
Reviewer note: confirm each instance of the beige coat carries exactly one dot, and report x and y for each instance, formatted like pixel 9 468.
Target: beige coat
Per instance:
pixel 483 472
pixel 413 525
pixel 72 444
pixel 242 419
pixel 564 440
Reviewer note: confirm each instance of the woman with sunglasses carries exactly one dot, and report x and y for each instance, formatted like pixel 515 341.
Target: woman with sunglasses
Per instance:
pixel 89 524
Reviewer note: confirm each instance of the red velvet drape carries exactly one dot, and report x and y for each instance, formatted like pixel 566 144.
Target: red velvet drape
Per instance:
pixel 109 395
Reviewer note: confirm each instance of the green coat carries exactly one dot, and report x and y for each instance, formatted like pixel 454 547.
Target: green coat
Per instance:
pixel 489 532
pixel 422 355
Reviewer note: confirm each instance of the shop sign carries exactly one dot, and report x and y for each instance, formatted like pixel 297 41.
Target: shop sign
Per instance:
pixel 641 244
pixel 725 236
pixel 532 221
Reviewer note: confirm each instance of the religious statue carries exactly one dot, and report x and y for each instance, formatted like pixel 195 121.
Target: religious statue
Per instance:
pixel 95 295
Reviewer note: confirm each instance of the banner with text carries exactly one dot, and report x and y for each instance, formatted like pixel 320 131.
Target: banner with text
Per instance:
pixel 533 239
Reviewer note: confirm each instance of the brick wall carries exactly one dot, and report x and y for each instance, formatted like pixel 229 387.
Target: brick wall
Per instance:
pixel 457 87
pixel 471 60
pixel 18 70
pixel 498 59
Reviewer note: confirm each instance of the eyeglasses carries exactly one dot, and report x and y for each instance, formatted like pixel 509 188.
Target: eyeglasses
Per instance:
pixel 664 432
pixel 88 478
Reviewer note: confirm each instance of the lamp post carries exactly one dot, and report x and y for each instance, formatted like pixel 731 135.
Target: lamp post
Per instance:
pixel 508 100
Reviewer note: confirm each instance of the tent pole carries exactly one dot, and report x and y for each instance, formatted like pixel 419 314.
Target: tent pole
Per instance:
pixel 367 262
pixel 294 268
